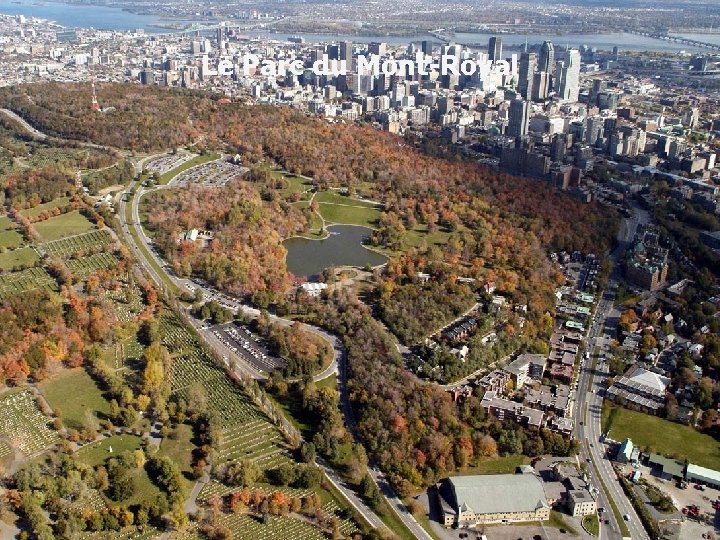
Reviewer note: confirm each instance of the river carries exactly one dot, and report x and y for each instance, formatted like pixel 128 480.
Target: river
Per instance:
pixel 628 42
pixel 110 18
pixel 76 16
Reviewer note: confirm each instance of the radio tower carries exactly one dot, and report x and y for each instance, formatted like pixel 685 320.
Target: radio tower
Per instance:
pixel 95 105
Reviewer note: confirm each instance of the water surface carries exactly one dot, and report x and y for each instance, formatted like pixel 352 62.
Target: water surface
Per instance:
pixel 342 247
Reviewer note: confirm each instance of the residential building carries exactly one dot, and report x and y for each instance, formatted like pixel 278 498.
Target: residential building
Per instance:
pixel 581 503
pixel 639 389
pixel 504 409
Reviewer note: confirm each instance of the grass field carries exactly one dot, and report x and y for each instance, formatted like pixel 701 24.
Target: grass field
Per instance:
pixel 419 234
pixel 40 208
pixel 349 215
pixel 498 465
pixel 77 396
pixel 97 453
pixel 6 223
pixel 592 524
pixel 198 160
pixel 17 257
pixel 676 440
pixel 61 226
pixel 10 239
pixel 178 447
pixel 296 184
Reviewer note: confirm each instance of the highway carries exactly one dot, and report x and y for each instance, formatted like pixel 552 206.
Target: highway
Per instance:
pixel 588 405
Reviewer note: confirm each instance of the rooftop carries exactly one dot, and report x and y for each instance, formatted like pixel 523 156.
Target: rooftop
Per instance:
pixel 487 494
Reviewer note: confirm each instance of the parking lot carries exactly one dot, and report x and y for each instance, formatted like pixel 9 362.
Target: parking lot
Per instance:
pixel 682 498
pixel 213 174
pixel 241 341
pixel 168 162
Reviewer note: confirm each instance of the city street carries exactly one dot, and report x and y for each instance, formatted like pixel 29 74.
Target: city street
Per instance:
pixel 588 406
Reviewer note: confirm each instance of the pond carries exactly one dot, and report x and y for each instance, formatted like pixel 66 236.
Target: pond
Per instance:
pixel 342 247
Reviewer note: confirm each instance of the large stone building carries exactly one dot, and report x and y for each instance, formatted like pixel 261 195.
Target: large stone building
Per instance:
pixel 647 262
pixel 469 501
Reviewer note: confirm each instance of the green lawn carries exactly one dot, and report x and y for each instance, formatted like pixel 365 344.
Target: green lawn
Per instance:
pixel 592 524
pixel 58 227
pixel 296 184
pixel 348 214
pixel 177 446
pixel 6 224
pixel 498 465
pixel 663 436
pixel 419 234
pixel 17 257
pixel 77 396
pixel 40 208
pixel 97 453
pixel 329 382
pixel 10 239
pixel 334 197
pixel 197 160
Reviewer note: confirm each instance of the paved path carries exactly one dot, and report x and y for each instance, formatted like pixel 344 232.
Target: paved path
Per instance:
pixel 34 132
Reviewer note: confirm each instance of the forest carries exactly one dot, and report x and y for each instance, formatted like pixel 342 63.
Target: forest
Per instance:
pixel 495 228
pixel 246 256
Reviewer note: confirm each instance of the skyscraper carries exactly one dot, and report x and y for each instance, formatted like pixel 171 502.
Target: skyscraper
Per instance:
pixel 426 47
pixel 519 118
pixel 541 86
pixel 546 62
pixel 569 82
pixel 346 48
pixel 495 48
pixel 526 74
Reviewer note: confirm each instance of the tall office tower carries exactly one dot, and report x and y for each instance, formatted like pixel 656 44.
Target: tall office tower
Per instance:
pixel 377 48
pixel 346 49
pixel 541 86
pixel 519 118
pixel 546 61
pixel 598 85
pixel 426 47
pixel 558 147
pixel 333 52
pixel 495 48
pixel 221 38
pixel 569 87
pixel 526 74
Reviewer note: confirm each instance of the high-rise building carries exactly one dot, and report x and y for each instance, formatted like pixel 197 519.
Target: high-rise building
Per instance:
pixel 495 48
pixel 598 85
pixel 426 47
pixel 377 48
pixel 546 60
pixel 333 52
pixel 346 48
pixel 569 76
pixel 541 86
pixel 526 74
pixel 519 118
pixel 558 147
